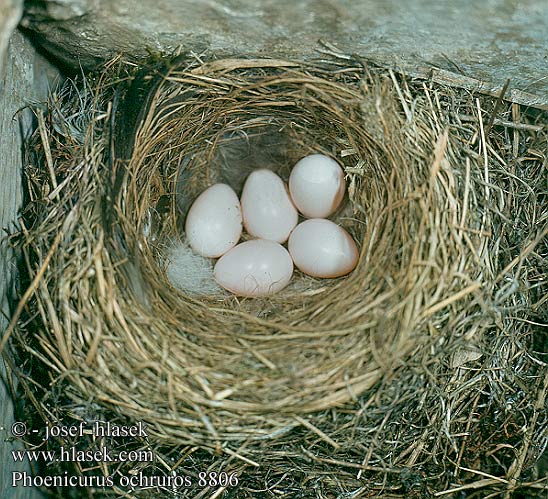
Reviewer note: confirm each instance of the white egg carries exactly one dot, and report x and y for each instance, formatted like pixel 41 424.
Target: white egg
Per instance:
pixel 255 268
pixel 267 209
pixel 317 185
pixel 321 248
pixel 214 222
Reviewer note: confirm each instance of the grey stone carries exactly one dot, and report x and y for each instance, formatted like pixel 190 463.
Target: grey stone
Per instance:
pixel 460 42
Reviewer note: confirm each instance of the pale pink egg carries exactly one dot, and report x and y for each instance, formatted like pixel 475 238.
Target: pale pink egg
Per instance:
pixel 267 209
pixel 321 248
pixel 214 222
pixel 317 186
pixel 255 268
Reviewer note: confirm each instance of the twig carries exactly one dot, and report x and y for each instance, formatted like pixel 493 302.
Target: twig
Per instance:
pixel 47 149
pixel 318 432
pixel 496 108
pixel 486 482
pixel 517 465
pixel 507 124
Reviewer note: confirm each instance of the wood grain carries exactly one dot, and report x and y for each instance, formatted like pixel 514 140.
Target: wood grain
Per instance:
pixel 23 79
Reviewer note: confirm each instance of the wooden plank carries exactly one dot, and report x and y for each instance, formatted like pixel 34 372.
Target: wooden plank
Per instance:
pixel 23 79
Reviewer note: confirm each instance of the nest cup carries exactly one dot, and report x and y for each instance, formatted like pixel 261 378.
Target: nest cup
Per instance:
pixel 323 356
pixel 251 365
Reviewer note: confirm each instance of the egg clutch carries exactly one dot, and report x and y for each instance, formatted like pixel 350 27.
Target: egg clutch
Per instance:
pixel 269 211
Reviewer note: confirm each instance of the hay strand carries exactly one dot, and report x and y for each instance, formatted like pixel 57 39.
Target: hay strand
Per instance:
pixel 421 374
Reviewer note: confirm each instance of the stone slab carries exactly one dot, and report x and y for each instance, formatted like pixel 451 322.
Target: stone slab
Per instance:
pixel 459 42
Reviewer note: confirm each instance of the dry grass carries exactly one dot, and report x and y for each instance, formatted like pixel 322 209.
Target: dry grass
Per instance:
pixel 421 374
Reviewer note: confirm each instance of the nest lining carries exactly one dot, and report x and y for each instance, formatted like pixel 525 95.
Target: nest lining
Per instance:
pixel 342 337
pixel 434 281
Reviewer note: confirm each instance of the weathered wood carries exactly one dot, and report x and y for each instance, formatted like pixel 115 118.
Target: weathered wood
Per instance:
pixel 10 15
pixel 23 79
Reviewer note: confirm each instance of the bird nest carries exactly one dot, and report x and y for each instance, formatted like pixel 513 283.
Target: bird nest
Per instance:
pixel 421 372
